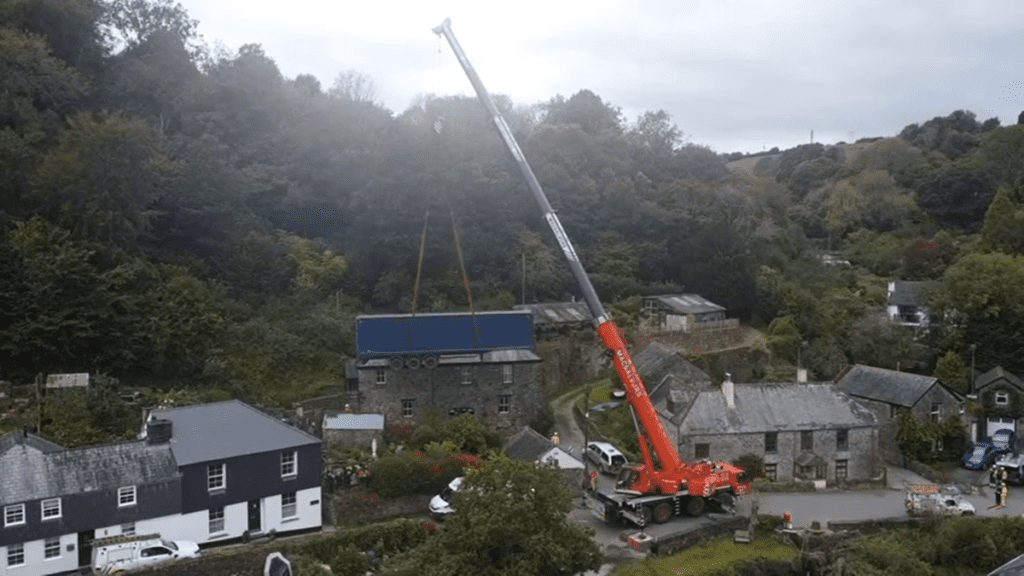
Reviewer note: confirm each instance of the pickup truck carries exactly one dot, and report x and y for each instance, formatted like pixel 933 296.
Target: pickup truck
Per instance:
pixel 928 499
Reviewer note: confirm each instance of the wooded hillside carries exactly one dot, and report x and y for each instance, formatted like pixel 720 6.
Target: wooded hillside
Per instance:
pixel 175 215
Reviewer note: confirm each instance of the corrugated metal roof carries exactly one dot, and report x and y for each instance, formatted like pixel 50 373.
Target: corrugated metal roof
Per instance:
pixel 557 313
pixel 351 421
pixel 889 386
pixel 32 474
pixel 910 293
pixel 499 356
pixel 688 303
pixel 775 407
pixel 221 430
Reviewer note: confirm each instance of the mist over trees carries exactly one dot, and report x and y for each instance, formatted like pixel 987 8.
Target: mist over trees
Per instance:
pixel 173 213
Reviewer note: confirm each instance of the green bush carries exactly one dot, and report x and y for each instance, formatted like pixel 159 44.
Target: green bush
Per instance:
pixel 349 561
pixel 401 474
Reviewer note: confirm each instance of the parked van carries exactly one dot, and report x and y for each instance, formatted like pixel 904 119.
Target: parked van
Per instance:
pixel 124 553
pixel 607 457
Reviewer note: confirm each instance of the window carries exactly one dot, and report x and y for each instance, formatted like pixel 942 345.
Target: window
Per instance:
pixel 14 515
pixel 771 472
pixel 936 413
pixel 51 547
pixel 467 375
pixel 701 451
pixel 841 466
pixel 289 464
pixel 1002 398
pixel 288 505
pixel 128 529
pixel 382 377
pixel 215 477
pixel 807 440
pixel 894 410
pixel 504 404
pixel 15 555
pixel 406 408
pixel 216 520
pixel 771 442
pixel 842 439
pixel 506 373
pixel 51 509
pixel 126 496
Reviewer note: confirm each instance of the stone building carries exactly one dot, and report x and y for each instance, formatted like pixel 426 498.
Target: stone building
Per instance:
pixel 887 392
pixel 1001 396
pixel 350 430
pixel 679 312
pixel 802 431
pixel 483 364
pixel 529 445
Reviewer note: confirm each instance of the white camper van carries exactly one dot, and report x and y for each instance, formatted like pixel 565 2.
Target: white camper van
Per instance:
pixel 124 553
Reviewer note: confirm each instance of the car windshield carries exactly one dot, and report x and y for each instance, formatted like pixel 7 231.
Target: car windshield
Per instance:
pixel 1001 438
pixel 170 544
pixel 979 450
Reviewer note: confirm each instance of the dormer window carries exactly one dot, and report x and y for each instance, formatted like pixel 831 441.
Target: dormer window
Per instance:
pixel 126 496
pixel 51 509
pixel 1002 398
pixel 14 515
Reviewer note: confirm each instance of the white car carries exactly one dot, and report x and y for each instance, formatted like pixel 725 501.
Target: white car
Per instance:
pixel 607 457
pixel 441 505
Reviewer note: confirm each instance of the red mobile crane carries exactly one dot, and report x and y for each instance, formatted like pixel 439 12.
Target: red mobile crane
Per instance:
pixel 654 490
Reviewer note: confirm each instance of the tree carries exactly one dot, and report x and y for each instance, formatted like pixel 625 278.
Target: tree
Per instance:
pixel 130 23
pixel 586 110
pixel 509 519
pixel 951 370
pixel 1003 229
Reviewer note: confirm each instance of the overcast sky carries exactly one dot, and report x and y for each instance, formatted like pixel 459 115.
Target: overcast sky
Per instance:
pixel 736 75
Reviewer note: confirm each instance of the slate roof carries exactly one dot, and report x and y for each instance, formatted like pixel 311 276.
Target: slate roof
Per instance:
pixel 351 421
pixel 527 444
pixel 33 474
pixel 687 303
pixel 1014 567
pixel 909 293
pixel 995 374
pixel 222 430
pixel 657 360
pixel 889 386
pixel 552 314
pixel 775 407
pixel 680 395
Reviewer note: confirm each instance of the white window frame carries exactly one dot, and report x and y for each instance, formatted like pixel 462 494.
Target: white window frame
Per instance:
pixel 48 506
pixel 289 505
pixel 15 550
pixel 407 408
pixel 126 496
pixel 506 374
pixel 936 413
pixel 128 529
pixel 1002 398
pixel 466 375
pixel 382 377
pixel 51 545
pixel 14 515
pixel 504 404
pixel 289 464
pixel 218 472
pixel 216 520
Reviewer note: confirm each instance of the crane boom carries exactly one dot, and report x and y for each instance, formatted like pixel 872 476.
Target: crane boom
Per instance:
pixel 610 333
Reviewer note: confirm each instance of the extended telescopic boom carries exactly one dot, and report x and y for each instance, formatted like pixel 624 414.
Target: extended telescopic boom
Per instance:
pixel 609 331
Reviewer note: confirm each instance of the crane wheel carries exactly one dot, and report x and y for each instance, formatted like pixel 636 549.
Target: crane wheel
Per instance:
pixel 694 506
pixel 662 513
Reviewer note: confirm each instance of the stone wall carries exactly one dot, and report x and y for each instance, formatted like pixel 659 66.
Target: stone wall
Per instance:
pixel 441 388
pixel 860 452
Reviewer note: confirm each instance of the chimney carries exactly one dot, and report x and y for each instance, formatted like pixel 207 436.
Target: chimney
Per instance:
pixel 727 391
pixel 159 431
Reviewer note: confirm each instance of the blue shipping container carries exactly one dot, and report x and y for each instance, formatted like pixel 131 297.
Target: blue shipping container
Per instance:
pixel 382 336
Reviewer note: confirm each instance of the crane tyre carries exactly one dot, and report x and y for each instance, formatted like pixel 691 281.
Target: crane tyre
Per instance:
pixel 662 513
pixel 694 506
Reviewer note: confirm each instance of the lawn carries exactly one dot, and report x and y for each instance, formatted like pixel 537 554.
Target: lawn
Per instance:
pixel 708 557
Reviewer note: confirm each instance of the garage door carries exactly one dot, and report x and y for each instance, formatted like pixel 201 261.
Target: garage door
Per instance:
pixel 998 424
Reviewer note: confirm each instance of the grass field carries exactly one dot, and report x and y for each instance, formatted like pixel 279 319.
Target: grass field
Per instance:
pixel 707 557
